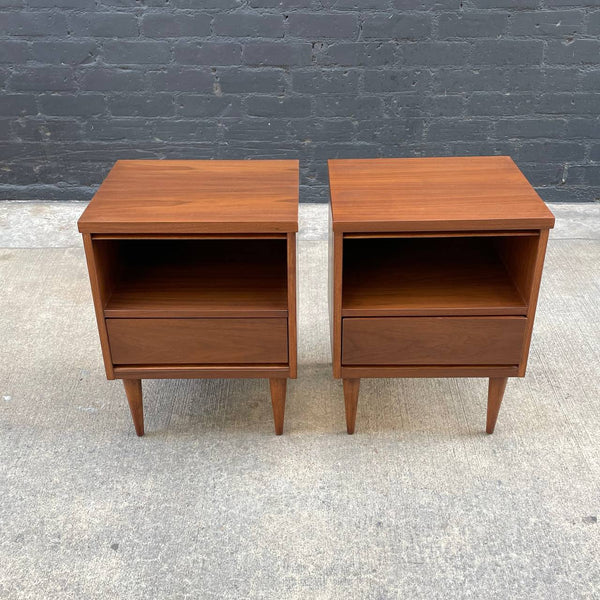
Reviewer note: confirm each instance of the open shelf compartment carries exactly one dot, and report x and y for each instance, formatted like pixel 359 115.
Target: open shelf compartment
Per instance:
pixel 437 275
pixel 193 277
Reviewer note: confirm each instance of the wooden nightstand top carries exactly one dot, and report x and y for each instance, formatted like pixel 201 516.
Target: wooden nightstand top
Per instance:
pixel 195 196
pixel 433 194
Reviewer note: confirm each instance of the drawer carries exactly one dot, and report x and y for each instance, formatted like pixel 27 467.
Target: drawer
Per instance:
pixel 432 340
pixel 198 341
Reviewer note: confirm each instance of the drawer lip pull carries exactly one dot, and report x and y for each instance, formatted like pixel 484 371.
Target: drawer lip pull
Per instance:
pixel 198 341
pixel 432 340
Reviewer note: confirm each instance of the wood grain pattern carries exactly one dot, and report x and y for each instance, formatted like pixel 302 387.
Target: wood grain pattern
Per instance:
pixel 519 255
pixel 430 371
pixel 216 278
pixel 536 279
pixel 433 194
pixel 437 276
pixel 185 371
pixel 200 341
pixel 432 340
pixel 133 390
pixel 351 390
pixel 99 265
pixel 278 389
pixel 496 388
pixel 291 306
pixel 336 249
pixel 195 196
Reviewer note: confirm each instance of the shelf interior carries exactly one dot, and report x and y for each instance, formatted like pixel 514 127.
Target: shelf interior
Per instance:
pixel 195 278
pixel 434 276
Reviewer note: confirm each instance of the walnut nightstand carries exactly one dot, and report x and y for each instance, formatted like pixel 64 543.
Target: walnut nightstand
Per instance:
pixel 192 265
pixel 435 268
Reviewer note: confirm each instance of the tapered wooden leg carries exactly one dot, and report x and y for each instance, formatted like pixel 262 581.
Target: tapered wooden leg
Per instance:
pixel 351 388
pixel 278 388
pixel 495 394
pixel 133 389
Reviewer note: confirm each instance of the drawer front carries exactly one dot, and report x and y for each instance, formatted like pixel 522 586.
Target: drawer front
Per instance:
pixel 433 340
pixel 198 341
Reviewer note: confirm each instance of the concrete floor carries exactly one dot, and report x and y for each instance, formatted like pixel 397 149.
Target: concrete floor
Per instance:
pixel 419 503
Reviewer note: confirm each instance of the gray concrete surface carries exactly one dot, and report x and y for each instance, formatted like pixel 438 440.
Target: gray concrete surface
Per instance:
pixel 419 503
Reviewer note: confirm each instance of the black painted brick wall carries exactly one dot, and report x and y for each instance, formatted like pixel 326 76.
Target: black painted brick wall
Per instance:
pixel 85 82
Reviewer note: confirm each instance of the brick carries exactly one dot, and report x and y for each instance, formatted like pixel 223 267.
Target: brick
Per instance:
pixel 209 106
pixel 178 79
pixel 360 107
pixel 282 4
pixel 393 80
pixel 68 53
pixel 389 131
pixel 428 5
pixel 472 25
pixel 136 52
pixel 469 80
pixel 34 24
pixel 397 27
pixel 564 80
pixel 79 4
pixel 271 106
pixel 542 174
pixel 158 25
pixel 82 105
pixel 565 104
pixel 546 23
pixel 450 130
pixel 323 130
pixel 17 104
pixel 483 103
pixel 430 54
pixel 14 52
pixel 551 151
pixel 593 27
pixel 358 54
pixel 248 25
pixel 208 53
pixel 276 54
pixel 95 78
pixel 444 105
pixel 256 130
pixel 332 81
pixel 583 175
pixel 503 52
pixel 107 80
pixel 577 52
pixel 511 4
pixel 587 3
pixel 315 26
pixel 528 128
pixel 356 4
pixel 147 105
pixel 170 130
pixel 54 79
pixel 5 132
pixel 404 104
pixel 583 128
pixel 237 81
pixel 119 128
pixel 207 4
pixel 524 79
pixel 111 25
pixel 47 130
